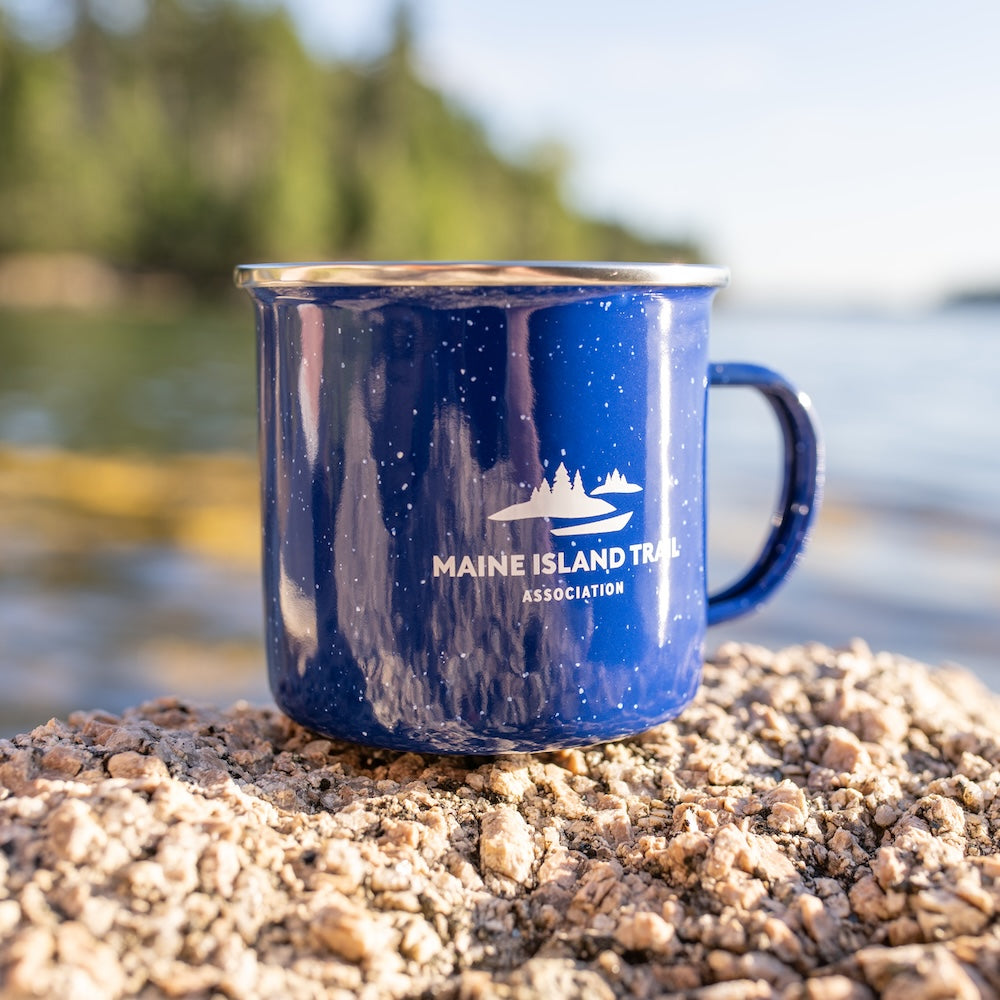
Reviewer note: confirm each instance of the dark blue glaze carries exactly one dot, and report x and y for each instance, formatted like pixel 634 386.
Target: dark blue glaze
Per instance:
pixel 413 600
pixel 798 502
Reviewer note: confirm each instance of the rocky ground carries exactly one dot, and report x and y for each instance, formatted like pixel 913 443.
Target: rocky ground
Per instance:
pixel 819 824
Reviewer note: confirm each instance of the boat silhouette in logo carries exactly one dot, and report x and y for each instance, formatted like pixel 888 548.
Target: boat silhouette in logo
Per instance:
pixel 567 500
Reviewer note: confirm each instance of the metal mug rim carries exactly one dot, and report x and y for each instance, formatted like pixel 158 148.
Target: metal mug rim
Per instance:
pixel 477 274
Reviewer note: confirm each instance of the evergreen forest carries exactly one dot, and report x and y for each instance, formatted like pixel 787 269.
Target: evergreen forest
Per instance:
pixel 202 133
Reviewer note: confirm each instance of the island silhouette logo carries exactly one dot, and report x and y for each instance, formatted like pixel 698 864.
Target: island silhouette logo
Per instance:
pixel 566 499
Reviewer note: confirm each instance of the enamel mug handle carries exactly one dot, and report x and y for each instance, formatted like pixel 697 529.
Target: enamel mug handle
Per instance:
pixel 800 491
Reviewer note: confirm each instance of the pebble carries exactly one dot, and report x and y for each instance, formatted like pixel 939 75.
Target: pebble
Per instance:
pixel 505 844
pixel 820 824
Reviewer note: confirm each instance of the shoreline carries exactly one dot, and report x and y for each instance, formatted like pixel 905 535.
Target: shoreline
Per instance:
pixel 819 824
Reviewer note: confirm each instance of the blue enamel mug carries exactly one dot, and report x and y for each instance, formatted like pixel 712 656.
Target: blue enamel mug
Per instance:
pixel 483 492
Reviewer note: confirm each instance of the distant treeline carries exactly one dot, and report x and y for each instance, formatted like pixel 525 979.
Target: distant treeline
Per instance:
pixel 974 298
pixel 204 134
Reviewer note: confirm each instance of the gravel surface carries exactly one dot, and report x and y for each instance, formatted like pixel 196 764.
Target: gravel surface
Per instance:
pixel 819 824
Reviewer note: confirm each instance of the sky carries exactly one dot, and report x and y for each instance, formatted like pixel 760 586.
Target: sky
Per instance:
pixel 843 154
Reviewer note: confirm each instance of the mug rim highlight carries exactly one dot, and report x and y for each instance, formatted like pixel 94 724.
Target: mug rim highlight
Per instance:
pixel 477 274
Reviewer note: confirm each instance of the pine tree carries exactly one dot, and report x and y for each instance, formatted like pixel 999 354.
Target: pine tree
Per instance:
pixel 560 484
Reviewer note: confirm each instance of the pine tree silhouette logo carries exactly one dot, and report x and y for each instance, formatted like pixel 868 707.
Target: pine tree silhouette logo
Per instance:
pixel 567 500
pixel 615 482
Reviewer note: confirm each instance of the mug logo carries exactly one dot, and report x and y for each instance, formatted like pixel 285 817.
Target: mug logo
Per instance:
pixel 574 511
pixel 566 500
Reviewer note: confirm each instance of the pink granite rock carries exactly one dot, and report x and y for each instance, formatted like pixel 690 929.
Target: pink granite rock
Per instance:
pixel 820 824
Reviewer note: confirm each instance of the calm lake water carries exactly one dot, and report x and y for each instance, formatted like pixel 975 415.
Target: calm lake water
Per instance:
pixel 906 553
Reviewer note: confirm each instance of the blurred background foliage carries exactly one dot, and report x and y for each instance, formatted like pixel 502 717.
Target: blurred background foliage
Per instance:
pixel 183 136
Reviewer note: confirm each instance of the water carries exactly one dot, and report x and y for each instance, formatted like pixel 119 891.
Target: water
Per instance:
pixel 169 380
pixel 135 577
pixel 907 550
